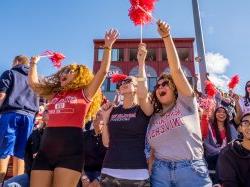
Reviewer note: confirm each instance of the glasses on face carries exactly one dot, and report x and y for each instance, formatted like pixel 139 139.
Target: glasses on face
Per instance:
pixel 248 86
pixel 163 84
pixel 245 123
pixel 68 71
pixel 126 81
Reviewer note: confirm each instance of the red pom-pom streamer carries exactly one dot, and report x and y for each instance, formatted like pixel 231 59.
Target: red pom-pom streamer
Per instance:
pixel 234 82
pixel 210 89
pixel 140 11
pixel 115 78
pixel 55 57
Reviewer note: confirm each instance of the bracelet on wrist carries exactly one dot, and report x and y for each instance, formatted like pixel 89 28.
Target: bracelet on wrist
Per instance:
pixel 166 36
pixel 107 48
pixel 33 63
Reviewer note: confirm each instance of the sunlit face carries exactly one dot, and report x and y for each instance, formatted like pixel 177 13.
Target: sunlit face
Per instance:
pixel 245 127
pixel 221 115
pixel 127 86
pixel 163 92
pixel 248 87
pixel 67 76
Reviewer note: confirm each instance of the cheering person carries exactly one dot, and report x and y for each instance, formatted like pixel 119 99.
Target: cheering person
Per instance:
pixel 74 97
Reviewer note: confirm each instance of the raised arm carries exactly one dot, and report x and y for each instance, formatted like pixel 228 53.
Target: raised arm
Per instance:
pixel 237 109
pixel 142 87
pixel 106 110
pixel 33 76
pixel 176 71
pixel 110 38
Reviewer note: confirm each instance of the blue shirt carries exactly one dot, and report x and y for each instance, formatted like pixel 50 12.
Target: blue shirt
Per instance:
pixel 19 96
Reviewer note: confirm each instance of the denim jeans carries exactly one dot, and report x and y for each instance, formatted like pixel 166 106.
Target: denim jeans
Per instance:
pixel 186 173
pixel 18 181
pixel 92 175
pixel 109 181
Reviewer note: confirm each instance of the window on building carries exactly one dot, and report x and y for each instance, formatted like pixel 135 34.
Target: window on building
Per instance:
pixel 117 55
pixel 100 54
pixel 164 54
pixel 183 54
pixel 112 86
pixel 132 54
pixel 108 86
pixel 151 56
pixel 151 83
pixel 104 85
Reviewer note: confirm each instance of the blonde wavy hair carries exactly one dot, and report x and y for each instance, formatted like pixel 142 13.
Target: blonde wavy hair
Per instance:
pixel 50 85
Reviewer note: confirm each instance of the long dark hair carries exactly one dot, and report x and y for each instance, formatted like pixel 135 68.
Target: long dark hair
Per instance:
pixel 226 125
pixel 247 98
pixel 156 103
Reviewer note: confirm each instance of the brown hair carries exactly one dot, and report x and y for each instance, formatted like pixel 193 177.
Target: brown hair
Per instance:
pixel 226 126
pixel 156 103
pixel 21 59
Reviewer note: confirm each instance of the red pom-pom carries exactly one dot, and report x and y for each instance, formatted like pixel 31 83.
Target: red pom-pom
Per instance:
pixel 141 10
pixel 115 78
pixel 55 57
pixel 234 81
pixel 210 89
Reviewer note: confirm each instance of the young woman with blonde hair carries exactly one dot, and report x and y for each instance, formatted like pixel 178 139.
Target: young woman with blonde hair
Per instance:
pixel 74 97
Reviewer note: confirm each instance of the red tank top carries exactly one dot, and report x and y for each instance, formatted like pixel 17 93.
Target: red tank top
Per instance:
pixel 68 109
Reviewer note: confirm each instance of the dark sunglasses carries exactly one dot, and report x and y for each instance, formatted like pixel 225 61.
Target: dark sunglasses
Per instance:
pixel 68 71
pixel 126 81
pixel 163 84
pixel 248 86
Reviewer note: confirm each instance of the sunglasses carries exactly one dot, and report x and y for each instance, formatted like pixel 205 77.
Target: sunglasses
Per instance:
pixel 163 84
pixel 68 71
pixel 248 86
pixel 245 123
pixel 123 82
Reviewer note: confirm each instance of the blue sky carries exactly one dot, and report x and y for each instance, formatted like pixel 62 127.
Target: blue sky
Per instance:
pixel 30 27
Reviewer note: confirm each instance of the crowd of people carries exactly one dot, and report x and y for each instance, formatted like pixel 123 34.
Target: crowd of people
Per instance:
pixel 172 137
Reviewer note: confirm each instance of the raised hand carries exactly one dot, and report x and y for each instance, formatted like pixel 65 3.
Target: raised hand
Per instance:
pixel 142 53
pixel 163 29
pixel 34 59
pixel 105 112
pixel 110 37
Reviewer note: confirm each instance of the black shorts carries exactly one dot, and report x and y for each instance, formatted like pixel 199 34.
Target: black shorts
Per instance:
pixel 60 147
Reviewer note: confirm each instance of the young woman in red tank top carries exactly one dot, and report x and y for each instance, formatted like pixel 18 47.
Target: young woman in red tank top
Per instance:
pixel 74 97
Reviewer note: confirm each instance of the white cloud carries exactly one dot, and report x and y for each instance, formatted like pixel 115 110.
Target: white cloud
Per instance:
pixel 216 63
pixel 220 81
pixel 216 66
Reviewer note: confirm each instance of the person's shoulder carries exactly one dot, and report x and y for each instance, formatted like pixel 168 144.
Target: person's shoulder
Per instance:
pixel 6 73
pixel 228 150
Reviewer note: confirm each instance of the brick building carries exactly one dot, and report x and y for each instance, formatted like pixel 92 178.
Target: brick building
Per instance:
pixel 124 60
